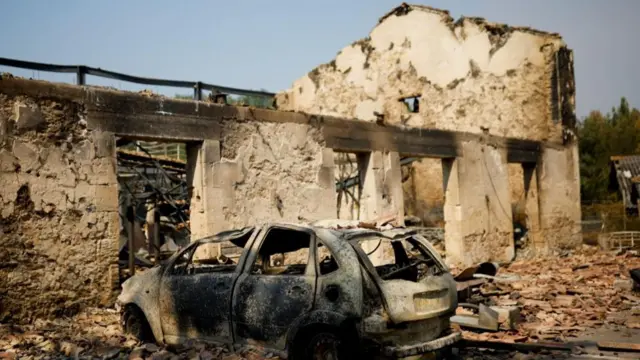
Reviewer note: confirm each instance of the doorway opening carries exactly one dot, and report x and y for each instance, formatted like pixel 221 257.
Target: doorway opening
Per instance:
pixel 348 176
pixel 153 202
pixel 423 190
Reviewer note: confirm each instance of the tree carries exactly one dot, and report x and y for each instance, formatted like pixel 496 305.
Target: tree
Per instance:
pixel 602 136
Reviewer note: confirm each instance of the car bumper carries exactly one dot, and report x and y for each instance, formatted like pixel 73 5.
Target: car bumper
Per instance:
pixel 421 348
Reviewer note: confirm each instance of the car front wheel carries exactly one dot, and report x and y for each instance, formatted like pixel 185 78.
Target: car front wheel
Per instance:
pixel 135 323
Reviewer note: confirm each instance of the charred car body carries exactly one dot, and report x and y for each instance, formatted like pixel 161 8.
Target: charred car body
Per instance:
pixel 299 291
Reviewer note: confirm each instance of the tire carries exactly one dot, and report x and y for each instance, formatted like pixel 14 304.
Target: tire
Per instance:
pixel 324 343
pixel 135 323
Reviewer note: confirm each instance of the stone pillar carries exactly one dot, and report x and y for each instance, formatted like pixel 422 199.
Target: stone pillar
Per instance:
pixel 326 181
pixel 559 198
pixel 532 207
pixel 478 218
pixel 103 179
pixel 453 235
pixel 381 181
pixel 205 196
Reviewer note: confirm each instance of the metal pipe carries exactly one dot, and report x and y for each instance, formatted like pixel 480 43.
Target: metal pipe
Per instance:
pixel 130 228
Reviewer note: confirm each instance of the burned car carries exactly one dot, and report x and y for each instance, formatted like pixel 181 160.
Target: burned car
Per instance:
pixel 298 291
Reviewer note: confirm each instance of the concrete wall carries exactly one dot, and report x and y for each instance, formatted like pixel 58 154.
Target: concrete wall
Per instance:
pixel 272 172
pixel 58 223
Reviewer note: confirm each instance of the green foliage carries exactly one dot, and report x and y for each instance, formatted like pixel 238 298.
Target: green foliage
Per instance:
pixel 183 97
pixel 240 100
pixel 253 101
pixel 602 136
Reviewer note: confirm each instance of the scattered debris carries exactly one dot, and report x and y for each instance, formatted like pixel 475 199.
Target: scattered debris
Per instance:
pixel 560 299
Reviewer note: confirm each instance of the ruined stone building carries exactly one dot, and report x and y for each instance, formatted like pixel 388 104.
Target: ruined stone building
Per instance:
pixel 468 116
pixel 419 69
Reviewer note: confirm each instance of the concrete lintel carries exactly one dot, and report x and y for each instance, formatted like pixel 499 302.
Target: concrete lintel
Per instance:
pixel 157 117
pixel 156 127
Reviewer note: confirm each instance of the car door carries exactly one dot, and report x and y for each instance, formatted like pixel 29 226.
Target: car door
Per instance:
pixel 195 298
pixel 276 286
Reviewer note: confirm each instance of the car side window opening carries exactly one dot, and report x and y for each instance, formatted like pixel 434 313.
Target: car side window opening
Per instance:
pixel 213 257
pixel 326 261
pixel 180 265
pixel 283 252
pixel 402 259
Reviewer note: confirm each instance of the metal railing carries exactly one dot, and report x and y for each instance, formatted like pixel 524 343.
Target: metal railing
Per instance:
pixel 620 240
pixel 82 71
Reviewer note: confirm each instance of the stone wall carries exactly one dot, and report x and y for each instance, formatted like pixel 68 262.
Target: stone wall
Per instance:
pixel 59 223
pixel 470 75
pixel 273 172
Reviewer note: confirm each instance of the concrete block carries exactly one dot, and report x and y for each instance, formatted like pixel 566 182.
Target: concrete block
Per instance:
pixel 508 316
pixel 27 117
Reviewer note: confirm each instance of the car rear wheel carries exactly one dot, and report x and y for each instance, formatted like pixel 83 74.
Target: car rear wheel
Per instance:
pixel 324 346
pixel 135 323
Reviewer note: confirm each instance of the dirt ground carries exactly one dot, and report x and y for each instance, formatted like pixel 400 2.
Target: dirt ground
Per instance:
pixel 577 299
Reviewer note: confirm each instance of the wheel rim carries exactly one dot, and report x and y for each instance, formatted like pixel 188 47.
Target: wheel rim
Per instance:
pixel 325 347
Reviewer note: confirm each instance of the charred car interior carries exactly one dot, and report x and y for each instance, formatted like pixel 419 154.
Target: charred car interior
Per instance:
pixel 299 291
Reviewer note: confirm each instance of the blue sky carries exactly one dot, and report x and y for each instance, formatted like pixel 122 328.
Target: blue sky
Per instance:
pixel 268 44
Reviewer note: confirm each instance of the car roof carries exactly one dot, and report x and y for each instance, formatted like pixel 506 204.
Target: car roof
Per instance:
pixel 342 229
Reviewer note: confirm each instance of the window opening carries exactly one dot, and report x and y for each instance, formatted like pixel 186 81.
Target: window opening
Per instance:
pixel 283 252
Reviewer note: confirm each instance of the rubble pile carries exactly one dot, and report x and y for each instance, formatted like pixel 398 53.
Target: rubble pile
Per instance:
pixel 97 334
pixel 562 298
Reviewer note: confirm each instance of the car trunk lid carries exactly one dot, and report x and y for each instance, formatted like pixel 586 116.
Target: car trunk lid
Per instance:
pixel 414 282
